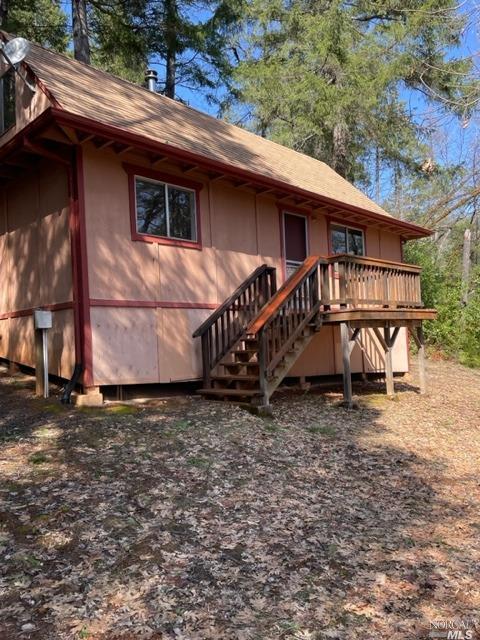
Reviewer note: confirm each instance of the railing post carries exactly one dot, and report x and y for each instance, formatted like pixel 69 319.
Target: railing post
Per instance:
pixel 206 359
pixel 273 281
pixel 325 285
pixel 386 294
pixel 342 283
pixel 262 366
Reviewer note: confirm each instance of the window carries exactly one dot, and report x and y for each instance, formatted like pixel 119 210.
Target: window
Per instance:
pixel 7 100
pixel 165 210
pixel 347 240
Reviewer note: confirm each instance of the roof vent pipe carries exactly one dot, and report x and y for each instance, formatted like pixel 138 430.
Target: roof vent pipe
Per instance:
pixel 151 79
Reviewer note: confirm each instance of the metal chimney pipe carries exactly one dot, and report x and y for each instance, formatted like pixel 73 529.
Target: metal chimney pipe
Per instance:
pixel 151 79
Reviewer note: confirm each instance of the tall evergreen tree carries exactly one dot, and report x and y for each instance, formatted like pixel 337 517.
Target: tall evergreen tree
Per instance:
pixel 81 44
pixel 328 77
pixel 189 39
pixel 42 21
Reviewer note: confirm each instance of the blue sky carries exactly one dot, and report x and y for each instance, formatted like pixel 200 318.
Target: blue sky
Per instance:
pixel 451 138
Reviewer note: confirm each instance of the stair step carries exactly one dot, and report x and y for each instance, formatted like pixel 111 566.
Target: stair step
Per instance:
pixel 234 377
pixel 247 350
pixel 238 393
pixel 242 357
pixel 229 364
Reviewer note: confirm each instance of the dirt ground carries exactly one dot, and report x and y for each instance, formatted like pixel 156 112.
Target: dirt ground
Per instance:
pixel 196 520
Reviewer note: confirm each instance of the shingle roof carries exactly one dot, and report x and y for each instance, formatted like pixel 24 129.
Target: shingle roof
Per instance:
pixel 88 92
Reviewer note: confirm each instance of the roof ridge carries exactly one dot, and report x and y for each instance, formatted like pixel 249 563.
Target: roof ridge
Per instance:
pixel 176 103
pixel 87 91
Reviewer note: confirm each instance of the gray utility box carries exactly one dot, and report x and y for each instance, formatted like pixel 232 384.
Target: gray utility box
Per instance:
pixel 42 318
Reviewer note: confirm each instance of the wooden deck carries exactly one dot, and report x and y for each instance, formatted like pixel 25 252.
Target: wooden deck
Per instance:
pixel 251 341
pixel 368 317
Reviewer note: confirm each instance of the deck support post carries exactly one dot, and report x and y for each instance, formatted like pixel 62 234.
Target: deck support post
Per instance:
pixel 417 333
pixel 347 370
pixel 387 341
pixel 421 360
pixel 389 363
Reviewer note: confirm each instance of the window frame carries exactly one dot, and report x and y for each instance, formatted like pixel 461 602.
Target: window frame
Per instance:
pixel 167 179
pixel 341 224
pixel 3 128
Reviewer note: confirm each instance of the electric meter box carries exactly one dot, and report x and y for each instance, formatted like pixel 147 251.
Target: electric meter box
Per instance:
pixel 42 318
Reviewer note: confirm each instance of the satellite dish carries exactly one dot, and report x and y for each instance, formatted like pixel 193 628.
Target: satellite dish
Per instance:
pixel 16 50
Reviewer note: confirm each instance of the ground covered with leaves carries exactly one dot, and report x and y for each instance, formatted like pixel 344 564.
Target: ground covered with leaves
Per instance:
pixel 193 520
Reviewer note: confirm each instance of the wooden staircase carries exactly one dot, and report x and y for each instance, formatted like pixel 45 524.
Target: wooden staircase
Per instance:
pixel 251 342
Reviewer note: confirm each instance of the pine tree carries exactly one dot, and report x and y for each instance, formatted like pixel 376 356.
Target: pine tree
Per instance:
pixel 42 21
pixel 326 77
pixel 81 43
pixel 188 39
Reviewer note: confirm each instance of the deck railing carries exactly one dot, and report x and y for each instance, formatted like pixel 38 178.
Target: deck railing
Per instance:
pixel 223 328
pixel 283 319
pixel 275 320
pixel 355 281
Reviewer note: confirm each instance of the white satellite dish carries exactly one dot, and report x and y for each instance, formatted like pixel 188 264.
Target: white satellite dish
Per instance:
pixel 14 51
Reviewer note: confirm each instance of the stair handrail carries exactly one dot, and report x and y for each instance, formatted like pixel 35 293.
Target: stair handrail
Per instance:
pixel 224 327
pixel 284 293
pixel 350 257
pixel 264 268
pixel 281 322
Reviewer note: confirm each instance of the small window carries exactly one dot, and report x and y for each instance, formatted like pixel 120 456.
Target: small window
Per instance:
pixel 7 101
pixel 347 240
pixel 165 210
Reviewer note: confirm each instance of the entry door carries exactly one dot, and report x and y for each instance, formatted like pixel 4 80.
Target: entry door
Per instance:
pixel 295 241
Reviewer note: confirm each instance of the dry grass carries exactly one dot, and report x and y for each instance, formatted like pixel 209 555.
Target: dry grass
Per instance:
pixel 200 521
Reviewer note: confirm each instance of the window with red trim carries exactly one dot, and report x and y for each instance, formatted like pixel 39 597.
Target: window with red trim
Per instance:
pixel 347 240
pixel 165 210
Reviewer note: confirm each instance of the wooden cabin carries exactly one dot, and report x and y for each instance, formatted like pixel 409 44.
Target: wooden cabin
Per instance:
pixel 171 246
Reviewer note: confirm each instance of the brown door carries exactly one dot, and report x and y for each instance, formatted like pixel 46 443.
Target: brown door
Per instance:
pixel 295 240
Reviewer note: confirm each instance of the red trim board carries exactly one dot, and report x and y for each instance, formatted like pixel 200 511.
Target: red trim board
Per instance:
pixel 21 313
pixel 127 137
pixel 80 270
pixel 152 304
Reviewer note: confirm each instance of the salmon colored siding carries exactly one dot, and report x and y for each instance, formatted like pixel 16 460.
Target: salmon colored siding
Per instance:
pixel 141 292
pixel 35 266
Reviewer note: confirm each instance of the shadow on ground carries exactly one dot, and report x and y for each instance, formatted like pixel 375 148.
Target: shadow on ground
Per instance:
pixel 199 520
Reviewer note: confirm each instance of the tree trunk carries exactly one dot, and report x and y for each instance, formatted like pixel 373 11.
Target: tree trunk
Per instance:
pixel 81 45
pixel 467 240
pixel 377 175
pixel 3 12
pixel 397 182
pixel 340 148
pixel 171 42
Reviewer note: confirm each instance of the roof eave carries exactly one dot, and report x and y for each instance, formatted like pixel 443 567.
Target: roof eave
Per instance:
pixel 408 229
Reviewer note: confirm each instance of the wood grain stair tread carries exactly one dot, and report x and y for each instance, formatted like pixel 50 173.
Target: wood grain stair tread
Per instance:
pixel 234 377
pixel 239 363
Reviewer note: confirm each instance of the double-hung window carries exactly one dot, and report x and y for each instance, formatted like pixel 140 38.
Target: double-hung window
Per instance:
pixel 7 100
pixel 347 240
pixel 165 210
